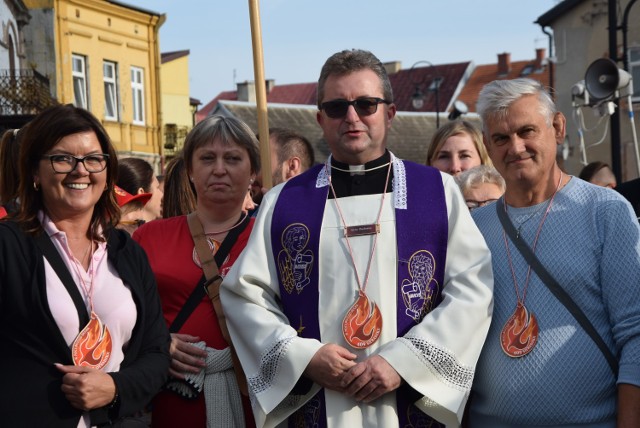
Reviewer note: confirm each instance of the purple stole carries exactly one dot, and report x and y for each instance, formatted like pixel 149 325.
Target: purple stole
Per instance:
pixel 422 235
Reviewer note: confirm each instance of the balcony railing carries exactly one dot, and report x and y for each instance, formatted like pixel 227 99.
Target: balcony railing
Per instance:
pixel 174 137
pixel 23 92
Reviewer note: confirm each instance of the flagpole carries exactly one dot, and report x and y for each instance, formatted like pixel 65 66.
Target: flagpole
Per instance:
pixel 261 93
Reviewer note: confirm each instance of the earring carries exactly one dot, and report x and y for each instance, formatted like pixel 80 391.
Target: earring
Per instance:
pixel 36 187
pixel 251 180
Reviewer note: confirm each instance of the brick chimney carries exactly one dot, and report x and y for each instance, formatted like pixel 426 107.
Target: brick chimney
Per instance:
pixel 504 63
pixel 540 53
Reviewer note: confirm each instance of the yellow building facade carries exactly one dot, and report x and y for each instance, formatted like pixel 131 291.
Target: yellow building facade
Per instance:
pixel 177 111
pixel 106 59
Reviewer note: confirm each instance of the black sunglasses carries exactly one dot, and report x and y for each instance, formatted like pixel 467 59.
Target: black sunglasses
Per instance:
pixel 365 106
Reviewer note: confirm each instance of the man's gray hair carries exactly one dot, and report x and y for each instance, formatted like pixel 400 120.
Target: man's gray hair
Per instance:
pixel 496 98
pixel 479 175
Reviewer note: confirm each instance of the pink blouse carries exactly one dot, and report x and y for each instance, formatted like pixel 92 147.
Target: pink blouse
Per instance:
pixel 112 299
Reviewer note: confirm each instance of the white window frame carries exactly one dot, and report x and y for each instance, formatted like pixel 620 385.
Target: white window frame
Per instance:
pixel 111 98
pixel 80 81
pixel 634 70
pixel 137 93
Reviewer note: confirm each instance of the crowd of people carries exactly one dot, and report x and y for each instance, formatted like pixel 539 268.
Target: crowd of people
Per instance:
pixel 487 288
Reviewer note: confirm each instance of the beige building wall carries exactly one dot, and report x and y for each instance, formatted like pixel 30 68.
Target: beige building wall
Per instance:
pixel 175 92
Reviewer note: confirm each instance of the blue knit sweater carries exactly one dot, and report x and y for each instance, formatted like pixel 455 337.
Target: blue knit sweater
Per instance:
pixel 590 243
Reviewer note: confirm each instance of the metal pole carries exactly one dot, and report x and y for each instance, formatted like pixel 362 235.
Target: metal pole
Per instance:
pixel 616 162
pixel 261 93
pixel 437 89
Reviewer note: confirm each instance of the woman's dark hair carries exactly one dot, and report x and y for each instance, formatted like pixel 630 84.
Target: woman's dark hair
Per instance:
pixel 592 169
pixel 179 194
pixel 9 151
pixel 36 139
pixel 135 174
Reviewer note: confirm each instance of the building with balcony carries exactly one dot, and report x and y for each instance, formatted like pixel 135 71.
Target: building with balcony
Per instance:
pixel 23 90
pixel 104 56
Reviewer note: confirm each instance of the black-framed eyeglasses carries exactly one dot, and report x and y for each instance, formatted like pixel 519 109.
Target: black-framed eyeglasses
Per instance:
pixel 471 204
pixel 365 106
pixel 64 164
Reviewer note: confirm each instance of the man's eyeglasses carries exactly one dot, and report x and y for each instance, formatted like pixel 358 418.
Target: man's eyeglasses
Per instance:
pixel 471 204
pixel 365 106
pixel 64 164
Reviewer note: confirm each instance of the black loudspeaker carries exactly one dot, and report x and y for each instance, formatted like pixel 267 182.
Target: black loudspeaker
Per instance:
pixel 603 78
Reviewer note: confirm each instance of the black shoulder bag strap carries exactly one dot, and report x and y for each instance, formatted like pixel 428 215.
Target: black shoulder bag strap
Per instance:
pixel 49 250
pixel 200 291
pixel 554 287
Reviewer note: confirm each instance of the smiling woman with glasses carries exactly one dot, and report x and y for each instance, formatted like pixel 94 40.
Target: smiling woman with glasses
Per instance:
pixel 84 339
pixel 64 164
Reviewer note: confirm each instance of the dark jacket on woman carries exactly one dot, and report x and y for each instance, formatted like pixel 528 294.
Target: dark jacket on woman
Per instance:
pixel 30 392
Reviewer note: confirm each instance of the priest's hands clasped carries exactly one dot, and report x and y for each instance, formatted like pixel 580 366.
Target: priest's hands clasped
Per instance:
pixel 335 367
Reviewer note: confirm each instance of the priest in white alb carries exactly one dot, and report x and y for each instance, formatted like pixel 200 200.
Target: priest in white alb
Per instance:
pixel 364 295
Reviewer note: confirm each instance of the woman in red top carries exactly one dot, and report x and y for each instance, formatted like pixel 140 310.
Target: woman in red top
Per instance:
pixel 221 157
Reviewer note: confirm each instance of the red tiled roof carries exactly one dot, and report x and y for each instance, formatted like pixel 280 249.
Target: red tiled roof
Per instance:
pixel 208 108
pixel 487 73
pixel 299 93
pixel 403 82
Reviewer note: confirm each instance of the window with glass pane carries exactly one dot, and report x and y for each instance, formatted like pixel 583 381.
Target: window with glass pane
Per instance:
pixel 634 69
pixel 137 89
pixel 79 73
pixel 110 90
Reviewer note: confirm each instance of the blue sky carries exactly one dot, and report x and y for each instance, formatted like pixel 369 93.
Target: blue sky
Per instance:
pixel 298 35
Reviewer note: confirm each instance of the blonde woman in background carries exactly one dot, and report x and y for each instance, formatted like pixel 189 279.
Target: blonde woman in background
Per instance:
pixel 456 147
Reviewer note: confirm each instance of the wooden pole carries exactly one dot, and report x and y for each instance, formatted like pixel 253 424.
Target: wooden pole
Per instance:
pixel 261 93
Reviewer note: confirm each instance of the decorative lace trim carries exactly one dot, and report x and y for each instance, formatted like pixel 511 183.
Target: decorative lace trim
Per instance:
pixel 427 402
pixel 323 177
pixel 441 363
pixel 399 183
pixel 284 409
pixel 268 370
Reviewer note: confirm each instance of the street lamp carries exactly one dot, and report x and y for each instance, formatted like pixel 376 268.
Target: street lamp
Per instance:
pixel 417 99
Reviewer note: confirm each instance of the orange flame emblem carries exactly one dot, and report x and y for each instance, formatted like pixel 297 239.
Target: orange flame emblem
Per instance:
pixel 520 333
pixel 92 347
pixel 362 324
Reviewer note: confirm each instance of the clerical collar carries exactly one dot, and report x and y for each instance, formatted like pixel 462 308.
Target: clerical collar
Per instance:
pixel 375 165
pixel 370 181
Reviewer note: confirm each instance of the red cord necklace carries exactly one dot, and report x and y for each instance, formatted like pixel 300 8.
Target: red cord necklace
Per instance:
pixel 362 325
pixel 520 333
pixel 92 346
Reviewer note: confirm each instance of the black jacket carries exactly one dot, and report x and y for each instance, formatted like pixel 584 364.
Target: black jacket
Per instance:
pixel 30 392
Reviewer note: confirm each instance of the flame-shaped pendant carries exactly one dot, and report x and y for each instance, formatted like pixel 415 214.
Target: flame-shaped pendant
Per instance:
pixel 362 324
pixel 92 346
pixel 520 333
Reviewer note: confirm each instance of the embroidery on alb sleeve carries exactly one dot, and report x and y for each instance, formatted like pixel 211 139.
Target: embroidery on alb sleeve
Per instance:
pixel 269 362
pixel 441 362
